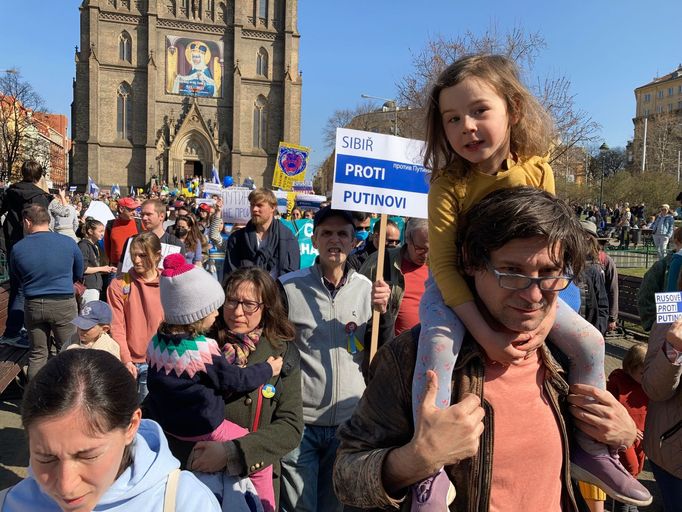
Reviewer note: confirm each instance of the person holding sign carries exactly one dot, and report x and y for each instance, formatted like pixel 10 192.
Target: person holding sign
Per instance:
pixel 330 305
pixel 485 132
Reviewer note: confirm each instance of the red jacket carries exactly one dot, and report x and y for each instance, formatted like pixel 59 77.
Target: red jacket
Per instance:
pixel 630 393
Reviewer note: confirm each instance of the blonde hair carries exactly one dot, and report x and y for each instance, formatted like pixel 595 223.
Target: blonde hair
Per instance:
pixel 531 135
pixel 263 194
pixel 634 358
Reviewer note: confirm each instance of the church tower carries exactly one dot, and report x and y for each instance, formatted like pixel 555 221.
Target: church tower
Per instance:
pixel 174 88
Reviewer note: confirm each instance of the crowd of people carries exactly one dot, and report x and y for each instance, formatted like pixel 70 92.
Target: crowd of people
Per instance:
pixel 211 370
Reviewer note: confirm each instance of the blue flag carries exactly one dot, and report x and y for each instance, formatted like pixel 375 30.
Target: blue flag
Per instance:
pixel 115 190
pixel 214 175
pixel 93 189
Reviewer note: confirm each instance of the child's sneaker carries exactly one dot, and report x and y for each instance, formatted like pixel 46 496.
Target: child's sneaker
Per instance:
pixel 605 471
pixel 434 494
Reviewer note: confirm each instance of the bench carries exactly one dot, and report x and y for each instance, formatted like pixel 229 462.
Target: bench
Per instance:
pixel 628 286
pixel 12 359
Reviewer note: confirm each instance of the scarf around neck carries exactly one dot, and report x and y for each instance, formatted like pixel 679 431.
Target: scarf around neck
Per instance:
pixel 238 346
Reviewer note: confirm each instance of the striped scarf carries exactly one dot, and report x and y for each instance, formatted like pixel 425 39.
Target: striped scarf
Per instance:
pixel 238 346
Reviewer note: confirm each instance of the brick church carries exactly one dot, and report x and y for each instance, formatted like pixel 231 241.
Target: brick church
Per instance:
pixel 172 88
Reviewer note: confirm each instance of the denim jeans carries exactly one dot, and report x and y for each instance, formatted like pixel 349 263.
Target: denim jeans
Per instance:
pixel 142 391
pixel 44 317
pixel 306 482
pixel 15 310
pixel 670 486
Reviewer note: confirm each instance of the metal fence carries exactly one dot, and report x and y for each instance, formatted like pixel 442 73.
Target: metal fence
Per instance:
pixel 642 256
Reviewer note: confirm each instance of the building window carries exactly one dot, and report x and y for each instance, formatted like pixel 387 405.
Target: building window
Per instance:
pixel 670 107
pixel 679 105
pixel 660 94
pixel 125 45
pixel 659 109
pixel 124 112
pixel 262 62
pixel 260 123
pixel 647 97
pixel 670 91
pixel 679 89
pixel 646 112
pixel 263 9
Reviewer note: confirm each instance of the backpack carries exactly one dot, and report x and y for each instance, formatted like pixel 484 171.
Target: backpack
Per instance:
pixel 653 282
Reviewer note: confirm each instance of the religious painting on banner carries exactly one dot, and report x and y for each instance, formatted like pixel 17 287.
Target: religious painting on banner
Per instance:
pixel 292 162
pixel 194 67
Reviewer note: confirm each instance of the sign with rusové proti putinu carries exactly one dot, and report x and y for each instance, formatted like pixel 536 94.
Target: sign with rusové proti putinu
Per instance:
pixel 379 173
pixel 668 307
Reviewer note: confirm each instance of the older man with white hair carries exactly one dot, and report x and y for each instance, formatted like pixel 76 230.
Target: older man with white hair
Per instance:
pixel 662 229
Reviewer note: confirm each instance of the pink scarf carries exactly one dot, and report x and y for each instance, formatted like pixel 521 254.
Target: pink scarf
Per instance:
pixel 238 346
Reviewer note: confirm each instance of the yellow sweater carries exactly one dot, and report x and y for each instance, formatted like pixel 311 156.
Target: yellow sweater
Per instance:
pixel 449 198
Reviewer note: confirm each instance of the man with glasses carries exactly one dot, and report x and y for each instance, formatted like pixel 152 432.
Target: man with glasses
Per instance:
pixel 370 245
pixel 330 305
pixel 405 271
pixel 504 439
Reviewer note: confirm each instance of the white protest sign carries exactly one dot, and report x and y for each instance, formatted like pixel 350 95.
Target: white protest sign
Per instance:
pixel 668 307
pixel 236 207
pixel 166 249
pixel 213 188
pixel 281 196
pixel 100 211
pixel 379 173
pixel 206 200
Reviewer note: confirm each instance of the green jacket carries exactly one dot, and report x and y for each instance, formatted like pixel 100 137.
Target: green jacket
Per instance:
pixel 280 428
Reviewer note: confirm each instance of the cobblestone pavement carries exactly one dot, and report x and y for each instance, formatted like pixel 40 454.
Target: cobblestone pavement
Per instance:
pixel 14 453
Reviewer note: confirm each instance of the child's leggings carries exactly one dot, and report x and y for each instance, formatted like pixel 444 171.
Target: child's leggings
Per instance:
pixel 442 333
pixel 262 480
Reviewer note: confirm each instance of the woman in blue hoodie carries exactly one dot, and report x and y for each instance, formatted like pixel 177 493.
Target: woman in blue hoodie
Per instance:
pixel 89 448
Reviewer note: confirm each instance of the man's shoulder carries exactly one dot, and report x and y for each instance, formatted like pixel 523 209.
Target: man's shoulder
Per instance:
pixel 296 275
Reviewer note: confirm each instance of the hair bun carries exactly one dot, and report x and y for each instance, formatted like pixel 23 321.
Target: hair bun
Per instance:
pixel 175 264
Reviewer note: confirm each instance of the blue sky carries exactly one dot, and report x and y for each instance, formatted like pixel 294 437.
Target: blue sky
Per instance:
pixel 606 48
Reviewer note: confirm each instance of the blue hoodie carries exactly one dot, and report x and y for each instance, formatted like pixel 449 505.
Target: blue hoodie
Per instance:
pixel 141 487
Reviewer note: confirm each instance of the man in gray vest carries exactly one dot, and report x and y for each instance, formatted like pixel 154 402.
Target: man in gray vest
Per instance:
pixel 331 305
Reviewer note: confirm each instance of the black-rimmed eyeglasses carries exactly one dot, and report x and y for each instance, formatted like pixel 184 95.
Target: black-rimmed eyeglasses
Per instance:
pixel 249 306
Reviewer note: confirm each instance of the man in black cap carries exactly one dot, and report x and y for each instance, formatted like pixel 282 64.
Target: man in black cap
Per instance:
pixel 331 305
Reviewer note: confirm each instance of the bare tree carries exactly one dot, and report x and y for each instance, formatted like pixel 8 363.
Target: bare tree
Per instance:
pixel 343 118
pixel 664 140
pixel 574 126
pixel 18 102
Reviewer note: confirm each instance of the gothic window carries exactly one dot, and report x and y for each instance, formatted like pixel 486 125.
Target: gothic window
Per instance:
pixel 262 63
pixel 124 112
pixel 125 44
pixel 260 123
pixel 263 9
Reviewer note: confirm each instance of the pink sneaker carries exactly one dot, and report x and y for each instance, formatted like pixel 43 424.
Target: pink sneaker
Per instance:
pixel 433 494
pixel 606 471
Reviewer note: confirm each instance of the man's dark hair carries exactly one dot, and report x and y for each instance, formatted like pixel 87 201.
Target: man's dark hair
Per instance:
pixel 36 214
pixel 521 212
pixel 389 222
pixel 31 171
pixel 359 216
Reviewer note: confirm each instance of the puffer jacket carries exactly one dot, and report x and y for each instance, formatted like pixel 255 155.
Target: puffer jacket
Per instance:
pixel 661 383
pixel 383 421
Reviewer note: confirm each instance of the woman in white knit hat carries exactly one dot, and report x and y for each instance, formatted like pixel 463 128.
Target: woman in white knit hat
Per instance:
pixel 188 375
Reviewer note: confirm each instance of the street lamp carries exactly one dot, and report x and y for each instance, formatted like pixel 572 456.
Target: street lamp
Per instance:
pixel 602 152
pixel 386 100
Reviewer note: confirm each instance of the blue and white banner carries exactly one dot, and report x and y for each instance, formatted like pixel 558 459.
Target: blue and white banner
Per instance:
pixel 93 189
pixel 379 173
pixel 668 307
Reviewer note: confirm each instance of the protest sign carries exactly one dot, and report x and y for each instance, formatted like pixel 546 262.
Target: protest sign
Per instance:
pixel 303 231
pixel 213 188
pixel 309 201
pixel 100 211
pixel 236 207
pixel 291 164
pixel 379 173
pixel 668 307
pixel 282 199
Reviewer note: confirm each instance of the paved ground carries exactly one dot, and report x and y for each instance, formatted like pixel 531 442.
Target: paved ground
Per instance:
pixel 14 453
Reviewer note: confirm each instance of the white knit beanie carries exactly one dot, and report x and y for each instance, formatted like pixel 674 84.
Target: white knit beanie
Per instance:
pixel 188 293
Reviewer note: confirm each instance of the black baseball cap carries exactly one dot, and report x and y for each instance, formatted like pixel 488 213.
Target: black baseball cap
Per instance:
pixel 327 212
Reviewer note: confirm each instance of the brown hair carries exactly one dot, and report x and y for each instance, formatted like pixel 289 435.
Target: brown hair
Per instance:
pixel 531 135
pixel 275 322
pixel 150 244
pixel 159 207
pixel 36 214
pixel 263 194
pixel 31 171
pixel 517 213
pixel 634 358
pixel 193 233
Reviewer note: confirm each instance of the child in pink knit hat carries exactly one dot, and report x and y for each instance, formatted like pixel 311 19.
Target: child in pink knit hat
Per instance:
pixel 188 375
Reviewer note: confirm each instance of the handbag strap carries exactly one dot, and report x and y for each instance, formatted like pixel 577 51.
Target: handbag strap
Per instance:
pixel 171 490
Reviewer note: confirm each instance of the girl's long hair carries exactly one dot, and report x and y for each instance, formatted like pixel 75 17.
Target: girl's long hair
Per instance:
pixel 532 134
